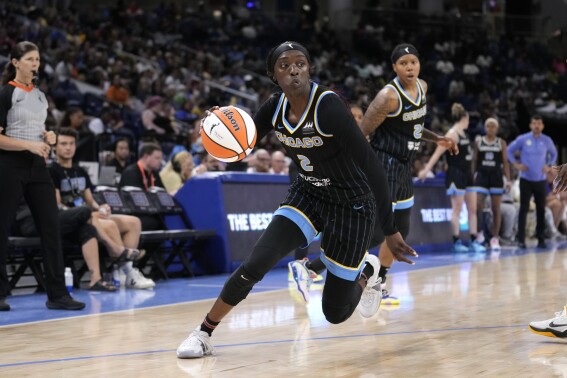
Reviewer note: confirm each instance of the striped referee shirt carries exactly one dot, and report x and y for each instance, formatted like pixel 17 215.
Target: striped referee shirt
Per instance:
pixel 23 111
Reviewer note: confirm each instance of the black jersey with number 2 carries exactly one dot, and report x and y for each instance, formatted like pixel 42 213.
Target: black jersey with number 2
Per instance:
pixel 327 145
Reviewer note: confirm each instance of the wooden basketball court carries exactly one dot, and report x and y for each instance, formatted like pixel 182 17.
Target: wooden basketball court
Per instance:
pixel 465 319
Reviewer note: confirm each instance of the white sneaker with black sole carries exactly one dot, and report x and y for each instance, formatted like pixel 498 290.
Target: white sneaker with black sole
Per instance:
pixel 136 280
pixel 197 345
pixel 554 327
pixel 372 294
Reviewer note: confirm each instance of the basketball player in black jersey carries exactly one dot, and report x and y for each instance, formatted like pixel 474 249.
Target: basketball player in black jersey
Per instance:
pixel 490 164
pixel 459 180
pixel 397 113
pixel 339 192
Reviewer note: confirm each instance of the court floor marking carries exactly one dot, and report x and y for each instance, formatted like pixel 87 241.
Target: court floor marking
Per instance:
pixel 363 335
pixel 272 289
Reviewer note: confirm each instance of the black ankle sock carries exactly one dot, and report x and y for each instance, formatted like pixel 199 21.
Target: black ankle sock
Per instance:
pixel 316 265
pixel 208 325
pixel 368 270
pixel 473 238
pixel 382 273
pixel 455 239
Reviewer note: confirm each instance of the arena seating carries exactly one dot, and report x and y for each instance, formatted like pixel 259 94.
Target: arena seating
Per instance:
pixel 164 247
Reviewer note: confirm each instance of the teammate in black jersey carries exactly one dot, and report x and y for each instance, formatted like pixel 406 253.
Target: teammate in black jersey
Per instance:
pixel 490 164
pixel 397 113
pixel 459 179
pixel 339 192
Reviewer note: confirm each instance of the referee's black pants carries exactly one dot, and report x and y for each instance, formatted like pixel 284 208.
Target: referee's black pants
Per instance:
pixel 527 189
pixel 25 174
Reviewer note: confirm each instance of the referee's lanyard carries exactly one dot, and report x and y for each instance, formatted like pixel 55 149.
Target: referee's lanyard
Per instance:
pixel 144 178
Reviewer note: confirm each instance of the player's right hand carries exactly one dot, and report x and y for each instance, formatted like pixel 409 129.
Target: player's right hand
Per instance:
pixel 400 248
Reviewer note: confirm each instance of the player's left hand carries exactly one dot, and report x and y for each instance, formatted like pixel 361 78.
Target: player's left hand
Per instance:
pixel 49 137
pixel 449 144
pixel 400 248
pixel 560 181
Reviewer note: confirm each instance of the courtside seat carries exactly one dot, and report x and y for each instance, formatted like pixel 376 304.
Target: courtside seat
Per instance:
pixel 174 243
pixel 25 252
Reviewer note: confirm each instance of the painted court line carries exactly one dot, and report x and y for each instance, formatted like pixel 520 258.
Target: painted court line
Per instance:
pixel 481 328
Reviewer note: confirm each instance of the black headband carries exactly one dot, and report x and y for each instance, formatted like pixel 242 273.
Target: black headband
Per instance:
pixel 286 46
pixel 403 49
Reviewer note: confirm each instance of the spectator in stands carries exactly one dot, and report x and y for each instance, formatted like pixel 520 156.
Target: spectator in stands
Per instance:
pixel 259 162
pixel 24 146
pixel 537 153
pixel 121 155
pixel 117 92
pixel 157 122
pixel 178 170
pixel 509 207
pixel 86 142
pixel 119 233
pixel 76 227
pixel 279 165
pixel 144 174
pixel 556 204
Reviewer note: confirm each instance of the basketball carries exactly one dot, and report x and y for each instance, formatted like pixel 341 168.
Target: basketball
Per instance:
pixel 228 134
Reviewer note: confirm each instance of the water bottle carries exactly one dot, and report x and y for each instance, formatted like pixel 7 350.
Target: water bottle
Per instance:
pixel 69 279
pixel 116 275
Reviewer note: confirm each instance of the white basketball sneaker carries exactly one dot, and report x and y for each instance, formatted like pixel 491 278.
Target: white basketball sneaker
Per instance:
pixel 302 278
pixel 197 345
pixel 555 327
pixel 495 243
pixel 136 280
pixel 372 294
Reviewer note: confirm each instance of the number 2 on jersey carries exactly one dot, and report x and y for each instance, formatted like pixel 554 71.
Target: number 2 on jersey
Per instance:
pixel 305 163
pixel 417 131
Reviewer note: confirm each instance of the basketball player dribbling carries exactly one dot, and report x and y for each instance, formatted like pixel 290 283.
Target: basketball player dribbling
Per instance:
pixel 338 185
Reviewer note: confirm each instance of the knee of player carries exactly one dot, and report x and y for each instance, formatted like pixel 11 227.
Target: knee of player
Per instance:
pixel 237 287
pixel 334 315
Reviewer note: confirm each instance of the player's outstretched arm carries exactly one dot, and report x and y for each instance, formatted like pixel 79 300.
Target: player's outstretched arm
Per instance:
pixel 442 141
pixel 400 248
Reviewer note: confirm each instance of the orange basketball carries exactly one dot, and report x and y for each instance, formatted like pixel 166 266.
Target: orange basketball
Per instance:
pixel 228 134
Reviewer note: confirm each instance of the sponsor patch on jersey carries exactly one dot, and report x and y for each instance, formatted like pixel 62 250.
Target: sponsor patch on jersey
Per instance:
pixel 308 129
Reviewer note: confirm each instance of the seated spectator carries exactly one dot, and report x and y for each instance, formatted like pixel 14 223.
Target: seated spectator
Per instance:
pixel 121 155
pixel 556 204
pixel 157 118
pixel 279 164
pixel 259 162
pixel 74 118
pixel 75 225
pixel 178 170
pixel 144 174
pixel 119 233
pixel 118 92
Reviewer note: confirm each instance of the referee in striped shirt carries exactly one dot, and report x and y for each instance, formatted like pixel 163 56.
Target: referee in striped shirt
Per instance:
pixel 24 147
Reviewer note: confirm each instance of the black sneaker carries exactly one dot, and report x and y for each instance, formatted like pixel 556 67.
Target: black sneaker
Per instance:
pixel 522 244
pixel 541 244
pixel 64 303
pixel 3 305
